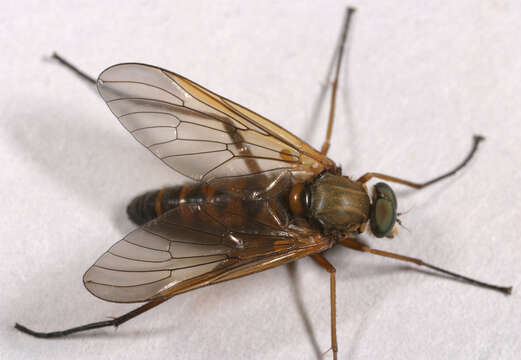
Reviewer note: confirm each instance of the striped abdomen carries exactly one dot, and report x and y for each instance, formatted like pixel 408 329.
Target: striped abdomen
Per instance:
pixel 154 203
pixel 263 198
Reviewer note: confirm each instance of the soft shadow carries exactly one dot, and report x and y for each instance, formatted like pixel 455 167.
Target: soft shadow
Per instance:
pixel 85 159
pixel 84 156
pixel 297 296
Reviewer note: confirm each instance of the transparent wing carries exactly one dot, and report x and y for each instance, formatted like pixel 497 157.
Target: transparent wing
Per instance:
pixel 197 132
pixel 192 246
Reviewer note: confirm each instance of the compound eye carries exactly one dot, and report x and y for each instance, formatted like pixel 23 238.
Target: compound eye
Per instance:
pixel 383 210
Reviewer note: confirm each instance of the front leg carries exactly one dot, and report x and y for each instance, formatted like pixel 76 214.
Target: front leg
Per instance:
pixel 476 140
pixel 356 245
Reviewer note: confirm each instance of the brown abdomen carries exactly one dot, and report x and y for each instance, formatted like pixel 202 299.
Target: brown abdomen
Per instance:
pixel 152 204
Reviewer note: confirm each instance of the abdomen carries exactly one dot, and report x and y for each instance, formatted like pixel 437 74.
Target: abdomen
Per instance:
pixel 152 204
pixel 256 197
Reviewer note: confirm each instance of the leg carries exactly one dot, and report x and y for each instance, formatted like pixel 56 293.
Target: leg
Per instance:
pixel 353 244
pixel 74 69
pixel 327 142
pixel 476 140
pixel 95 325
pixel 322 261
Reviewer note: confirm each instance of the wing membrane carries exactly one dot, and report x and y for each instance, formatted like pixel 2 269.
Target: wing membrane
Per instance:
pixel 191 246
pixel 197 132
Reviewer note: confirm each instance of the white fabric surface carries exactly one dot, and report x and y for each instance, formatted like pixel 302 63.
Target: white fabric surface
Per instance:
pixel 418 81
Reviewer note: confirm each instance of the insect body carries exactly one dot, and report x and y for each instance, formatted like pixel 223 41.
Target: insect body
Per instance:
pixel 261 197
pixel 330 201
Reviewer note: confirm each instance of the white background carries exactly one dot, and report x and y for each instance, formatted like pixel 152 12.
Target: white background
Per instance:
pixel 418 82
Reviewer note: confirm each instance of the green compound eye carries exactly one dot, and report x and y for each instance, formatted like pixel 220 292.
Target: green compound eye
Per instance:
pixel 383 210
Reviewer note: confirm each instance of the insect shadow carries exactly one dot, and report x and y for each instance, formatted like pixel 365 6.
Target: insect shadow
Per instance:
pixel 64 145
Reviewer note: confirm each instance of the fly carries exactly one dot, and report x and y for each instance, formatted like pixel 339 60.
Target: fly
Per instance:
pixel 260 196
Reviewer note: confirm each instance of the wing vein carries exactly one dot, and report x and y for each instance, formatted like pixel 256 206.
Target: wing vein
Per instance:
pixel 140 260
pixel 172 269
pixel 129 286
pixel 145 84
pixel 142 246
pixel 195 153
